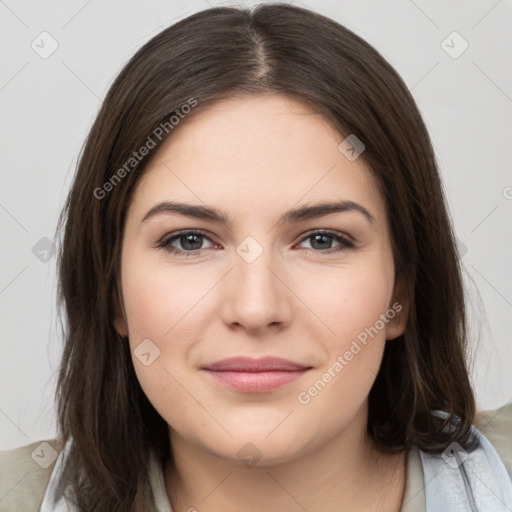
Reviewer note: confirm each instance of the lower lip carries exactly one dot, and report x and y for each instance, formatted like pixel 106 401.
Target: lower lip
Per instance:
pixel 256 382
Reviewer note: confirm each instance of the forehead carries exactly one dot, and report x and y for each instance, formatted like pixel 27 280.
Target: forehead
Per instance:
pixel 259 154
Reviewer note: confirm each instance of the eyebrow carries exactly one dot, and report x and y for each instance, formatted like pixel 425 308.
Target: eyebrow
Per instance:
pixel 295 215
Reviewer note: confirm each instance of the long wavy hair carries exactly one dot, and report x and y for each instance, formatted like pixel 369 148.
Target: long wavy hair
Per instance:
pixel 211 55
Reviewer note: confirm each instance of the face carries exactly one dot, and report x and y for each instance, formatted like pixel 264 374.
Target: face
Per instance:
pixel 244 280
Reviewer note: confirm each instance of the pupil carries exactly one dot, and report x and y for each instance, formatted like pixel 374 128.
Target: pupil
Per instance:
pixel 316 238
pixel 191 239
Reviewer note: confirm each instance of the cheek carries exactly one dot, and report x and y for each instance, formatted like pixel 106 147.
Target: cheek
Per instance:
pixel 348 301
pixel 159 297
pixel 353 304
pixel 341 386
pixel 164 304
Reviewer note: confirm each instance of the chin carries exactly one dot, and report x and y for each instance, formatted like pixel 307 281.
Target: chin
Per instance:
pixel 258 449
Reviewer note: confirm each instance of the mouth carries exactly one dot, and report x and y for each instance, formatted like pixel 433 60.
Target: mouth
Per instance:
pixel 255 375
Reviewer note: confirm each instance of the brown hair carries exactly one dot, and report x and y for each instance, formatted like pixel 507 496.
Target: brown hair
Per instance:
pixel 211 55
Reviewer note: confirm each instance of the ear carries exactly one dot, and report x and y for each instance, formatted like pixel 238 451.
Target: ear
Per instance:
pixel 398 311
pixel 119 319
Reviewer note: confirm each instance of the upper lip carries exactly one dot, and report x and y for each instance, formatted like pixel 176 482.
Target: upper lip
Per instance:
pixel 247 364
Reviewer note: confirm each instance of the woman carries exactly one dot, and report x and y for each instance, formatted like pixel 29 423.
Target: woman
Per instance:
pixel 263 297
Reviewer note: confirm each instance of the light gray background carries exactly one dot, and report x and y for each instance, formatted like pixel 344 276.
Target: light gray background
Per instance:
pixel 48 106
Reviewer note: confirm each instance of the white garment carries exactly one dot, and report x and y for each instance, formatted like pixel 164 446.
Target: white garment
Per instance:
pixel 467 482
pixel 454 482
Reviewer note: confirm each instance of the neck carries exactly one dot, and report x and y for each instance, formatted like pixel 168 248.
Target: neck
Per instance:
pixel 345 473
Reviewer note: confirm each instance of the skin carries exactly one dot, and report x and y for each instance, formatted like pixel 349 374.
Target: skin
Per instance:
pixel 293 301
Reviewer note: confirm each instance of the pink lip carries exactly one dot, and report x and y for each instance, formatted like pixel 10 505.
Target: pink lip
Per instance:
pixel 255 375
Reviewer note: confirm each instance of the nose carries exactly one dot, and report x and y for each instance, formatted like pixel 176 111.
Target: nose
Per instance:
pixel 256 297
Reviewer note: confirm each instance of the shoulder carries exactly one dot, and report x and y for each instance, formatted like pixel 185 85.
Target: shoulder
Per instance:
pixel 496 426
pixel 25 473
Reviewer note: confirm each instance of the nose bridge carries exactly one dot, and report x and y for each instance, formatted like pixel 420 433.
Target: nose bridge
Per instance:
pixel 259 297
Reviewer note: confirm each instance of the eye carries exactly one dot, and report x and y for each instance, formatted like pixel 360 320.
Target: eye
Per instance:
pixel 190 241
pixel 321 241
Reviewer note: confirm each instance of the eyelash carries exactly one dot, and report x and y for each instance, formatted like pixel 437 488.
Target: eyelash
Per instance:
pixel 166 241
